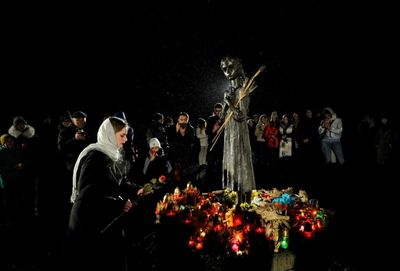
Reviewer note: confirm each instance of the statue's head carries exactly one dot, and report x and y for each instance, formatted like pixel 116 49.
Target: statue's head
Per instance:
pixel 232 67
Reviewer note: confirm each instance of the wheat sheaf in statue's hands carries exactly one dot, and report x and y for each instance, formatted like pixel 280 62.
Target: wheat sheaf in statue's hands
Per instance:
pixel 248 87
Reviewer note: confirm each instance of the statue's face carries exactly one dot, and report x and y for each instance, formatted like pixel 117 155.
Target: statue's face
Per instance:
pixel 230 68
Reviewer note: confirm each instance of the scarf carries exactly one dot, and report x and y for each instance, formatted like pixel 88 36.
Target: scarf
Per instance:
pixel 106 143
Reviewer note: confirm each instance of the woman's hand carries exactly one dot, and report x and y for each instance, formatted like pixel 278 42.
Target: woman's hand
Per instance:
pixel 128 205
pixel 140 192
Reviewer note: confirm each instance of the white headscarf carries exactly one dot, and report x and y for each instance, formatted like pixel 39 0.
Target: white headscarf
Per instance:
pixel 106 143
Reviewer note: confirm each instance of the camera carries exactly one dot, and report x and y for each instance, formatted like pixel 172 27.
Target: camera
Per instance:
pixel 160 152
pixel 82 132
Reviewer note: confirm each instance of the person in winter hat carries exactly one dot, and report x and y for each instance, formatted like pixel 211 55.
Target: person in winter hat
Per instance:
pixel 21 128
pixel 156 163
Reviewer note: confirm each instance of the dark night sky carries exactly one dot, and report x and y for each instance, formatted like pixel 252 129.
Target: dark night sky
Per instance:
pixel 317 53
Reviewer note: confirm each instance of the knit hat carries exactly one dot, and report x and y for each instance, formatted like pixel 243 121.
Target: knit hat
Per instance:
pixel 66 115
pixel 79 114
pixel 158 116
pixel 18 119
pixel 154 142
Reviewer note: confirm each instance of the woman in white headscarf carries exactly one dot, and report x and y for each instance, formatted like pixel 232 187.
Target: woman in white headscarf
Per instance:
pixel 98 199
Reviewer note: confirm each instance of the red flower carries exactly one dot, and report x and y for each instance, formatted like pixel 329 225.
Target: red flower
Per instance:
pixel 162 179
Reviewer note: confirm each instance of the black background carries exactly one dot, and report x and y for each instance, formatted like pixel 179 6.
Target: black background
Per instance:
pixel 150 57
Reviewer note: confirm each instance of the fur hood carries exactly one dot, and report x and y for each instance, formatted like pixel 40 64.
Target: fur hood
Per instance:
pixel 330 110
pixel 28 132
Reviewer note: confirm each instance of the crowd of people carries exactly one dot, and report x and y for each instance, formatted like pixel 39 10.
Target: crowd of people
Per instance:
pixel 37 173
pixel 82 180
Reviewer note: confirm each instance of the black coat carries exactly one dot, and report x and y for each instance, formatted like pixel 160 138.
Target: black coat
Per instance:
pixel 100 200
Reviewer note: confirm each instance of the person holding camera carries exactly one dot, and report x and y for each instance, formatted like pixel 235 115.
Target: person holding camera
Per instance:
pixel 72 140
pixel 330 131
pixel 182 137
pixel 215 149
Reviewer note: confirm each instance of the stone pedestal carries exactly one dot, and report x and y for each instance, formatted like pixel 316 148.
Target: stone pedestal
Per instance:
pixel 283 261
